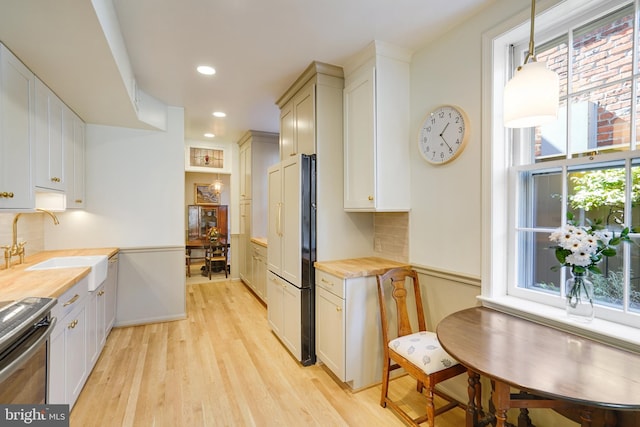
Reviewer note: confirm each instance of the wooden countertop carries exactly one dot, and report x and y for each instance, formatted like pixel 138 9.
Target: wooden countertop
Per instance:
pixel 17 283
pixel 262 241
pixel 357 267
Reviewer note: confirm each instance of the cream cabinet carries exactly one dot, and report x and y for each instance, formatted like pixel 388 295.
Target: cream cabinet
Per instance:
pixel 348 334
pixel 258 151
pixel 304 106
pixel 376 130
pixel 54 128
pixel 17 122
pixel 244 242
pixel 297 123
pixel 259 270
pixel 284 314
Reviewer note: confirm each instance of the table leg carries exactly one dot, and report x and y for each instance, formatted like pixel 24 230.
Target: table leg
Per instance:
pixel 472 390
pixel 585 417
pixel 501 396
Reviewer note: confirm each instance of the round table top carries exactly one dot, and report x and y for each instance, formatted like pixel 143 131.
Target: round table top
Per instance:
pixel 541 359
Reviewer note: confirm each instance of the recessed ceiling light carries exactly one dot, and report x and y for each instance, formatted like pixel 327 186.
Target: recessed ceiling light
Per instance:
pixel 209 135
pixel 220 114
pixel 206 70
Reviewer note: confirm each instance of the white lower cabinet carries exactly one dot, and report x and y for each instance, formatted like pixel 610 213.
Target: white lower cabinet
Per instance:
pixel 284 312
pixel 69 344
pixel 348 331
pixel 84 320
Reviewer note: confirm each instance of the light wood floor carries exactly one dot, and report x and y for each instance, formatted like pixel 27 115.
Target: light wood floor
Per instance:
pixel 224 367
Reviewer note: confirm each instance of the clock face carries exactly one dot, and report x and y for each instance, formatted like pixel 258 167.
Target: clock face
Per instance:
pixel 443 134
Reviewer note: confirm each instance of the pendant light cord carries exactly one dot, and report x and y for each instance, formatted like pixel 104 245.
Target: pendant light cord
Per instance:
pixel 531 54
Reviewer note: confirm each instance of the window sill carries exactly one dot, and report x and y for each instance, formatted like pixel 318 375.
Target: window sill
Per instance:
pixel 615 334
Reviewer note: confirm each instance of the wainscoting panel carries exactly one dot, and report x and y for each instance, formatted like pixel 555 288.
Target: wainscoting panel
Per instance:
pixel 151 285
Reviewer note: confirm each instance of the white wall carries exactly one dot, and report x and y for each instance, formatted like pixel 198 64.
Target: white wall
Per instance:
pixel 134 190
pixel 445 225
pixel 445 219
pixel 134 201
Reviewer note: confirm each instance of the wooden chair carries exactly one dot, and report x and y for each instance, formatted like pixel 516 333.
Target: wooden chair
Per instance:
pixel 419 353
pixel 217 252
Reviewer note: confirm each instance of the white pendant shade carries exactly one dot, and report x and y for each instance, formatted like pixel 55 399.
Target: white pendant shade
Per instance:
pixel 531 97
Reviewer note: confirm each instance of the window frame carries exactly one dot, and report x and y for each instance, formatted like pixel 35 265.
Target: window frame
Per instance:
pixel 498 235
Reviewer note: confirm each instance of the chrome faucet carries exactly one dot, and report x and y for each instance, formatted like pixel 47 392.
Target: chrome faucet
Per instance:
pixel 17 249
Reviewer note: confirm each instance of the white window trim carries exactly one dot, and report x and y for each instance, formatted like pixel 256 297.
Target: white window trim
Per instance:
pixel 496 211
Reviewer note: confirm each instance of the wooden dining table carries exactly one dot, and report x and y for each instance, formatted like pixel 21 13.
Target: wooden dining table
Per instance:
pixel 535 366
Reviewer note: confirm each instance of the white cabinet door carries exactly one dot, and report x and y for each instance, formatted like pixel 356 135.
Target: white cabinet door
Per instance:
pixel 330 344
pixel 75 164
pixel 111 290
pixel 376 131
pixel 359 148
pixel 290 221
pixel 292 319
pixel 244 241
pixel 275 296
pixel 305 116
pixel 92 327
pixel 57 366
pixel 17 124
pixel 245 171
pixel 51 133
pixel 287 131
pixel 76 353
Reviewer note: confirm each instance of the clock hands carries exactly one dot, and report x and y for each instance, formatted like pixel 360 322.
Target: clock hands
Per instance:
pixel 442 133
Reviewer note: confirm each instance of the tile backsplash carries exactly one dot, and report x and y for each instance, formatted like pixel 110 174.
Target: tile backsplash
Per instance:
pixel 30 230
pixel 391 235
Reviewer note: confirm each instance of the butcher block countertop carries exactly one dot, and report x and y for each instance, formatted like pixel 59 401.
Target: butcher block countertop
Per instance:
pixel 17 283
pixel 357 267
pixel 262 241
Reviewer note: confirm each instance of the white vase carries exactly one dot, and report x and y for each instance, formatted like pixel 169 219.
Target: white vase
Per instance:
pixel 579 294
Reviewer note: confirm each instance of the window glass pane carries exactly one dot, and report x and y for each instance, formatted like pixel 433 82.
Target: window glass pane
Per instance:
pixel 634 275
pixel 542 205
pixel 608 288
pixel 556 55
pixel 551 139
pixel 602 52
pixel 597 194
pixel 600 119
pixel 536 272
pixel 635 196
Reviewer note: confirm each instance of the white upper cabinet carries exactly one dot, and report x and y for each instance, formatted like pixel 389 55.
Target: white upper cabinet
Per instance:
pixel 376 130
pixel 51 135
pixel 17 109
pixel 75 163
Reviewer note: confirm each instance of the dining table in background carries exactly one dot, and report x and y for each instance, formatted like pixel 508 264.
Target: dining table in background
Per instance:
pixel 548 368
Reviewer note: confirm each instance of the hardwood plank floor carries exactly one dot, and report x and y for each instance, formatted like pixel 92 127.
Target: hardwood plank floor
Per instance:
pixel 222 366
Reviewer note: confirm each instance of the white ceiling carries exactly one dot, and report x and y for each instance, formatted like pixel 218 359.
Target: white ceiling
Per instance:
pixel 258 48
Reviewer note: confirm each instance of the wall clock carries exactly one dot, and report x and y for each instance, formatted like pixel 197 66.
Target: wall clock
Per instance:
pixel 443 134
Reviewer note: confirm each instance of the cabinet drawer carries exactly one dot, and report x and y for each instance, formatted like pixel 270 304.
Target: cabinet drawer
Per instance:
pixel 71 299
pixel 331 283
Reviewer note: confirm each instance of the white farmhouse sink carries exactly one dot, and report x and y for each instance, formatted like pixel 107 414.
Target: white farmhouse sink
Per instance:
pixel 98 263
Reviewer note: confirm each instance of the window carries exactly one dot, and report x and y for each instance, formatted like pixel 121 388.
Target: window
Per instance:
pixel 587 163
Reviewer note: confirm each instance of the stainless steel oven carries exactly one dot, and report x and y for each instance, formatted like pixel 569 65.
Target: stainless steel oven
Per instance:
pixel 25 327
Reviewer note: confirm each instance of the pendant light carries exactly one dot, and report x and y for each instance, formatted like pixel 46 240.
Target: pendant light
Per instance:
pixel 216 186
pixel 531 97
